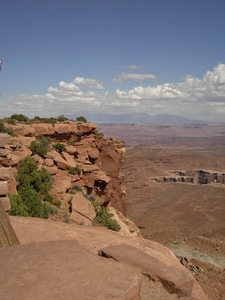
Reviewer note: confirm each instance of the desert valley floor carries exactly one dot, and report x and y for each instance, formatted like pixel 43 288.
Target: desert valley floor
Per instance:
pixel 175 181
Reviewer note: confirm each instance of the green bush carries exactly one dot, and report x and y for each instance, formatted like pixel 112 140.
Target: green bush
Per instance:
pixel 18 207
pixel 57 203
pixel 98 133
pixel 62 118
pixel 11 121
pixel 51 120
pixel 32 184
pixel 59 147
pixel 75 170
pixel 104 218
pixel 19 117
pixel 40 146
pixel 48 198
pixel 77 188
pixel 81 119
pixel 44 140
pixel 37 148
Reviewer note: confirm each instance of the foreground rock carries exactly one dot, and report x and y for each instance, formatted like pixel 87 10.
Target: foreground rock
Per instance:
pixel 159 259
pixel 63 270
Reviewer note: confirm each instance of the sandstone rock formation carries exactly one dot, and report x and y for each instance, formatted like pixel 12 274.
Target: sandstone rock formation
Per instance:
pixel 148 257
pixel 58 260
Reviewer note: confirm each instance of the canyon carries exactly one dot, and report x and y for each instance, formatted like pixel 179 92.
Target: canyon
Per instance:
pixel 174 179
pixel 155 192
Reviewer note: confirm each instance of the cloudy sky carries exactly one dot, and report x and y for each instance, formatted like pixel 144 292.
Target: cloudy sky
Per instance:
pixel 113 56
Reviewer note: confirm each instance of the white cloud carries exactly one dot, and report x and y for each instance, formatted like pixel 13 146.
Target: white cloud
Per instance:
pixel 91 83
pixel 134 67
pixel 131 67
pixel 197 98
pixel 133 76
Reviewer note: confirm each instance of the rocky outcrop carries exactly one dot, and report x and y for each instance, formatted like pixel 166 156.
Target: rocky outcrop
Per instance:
pixel 195 177
pixel 90 161
pixel 68 253
pixel 135 255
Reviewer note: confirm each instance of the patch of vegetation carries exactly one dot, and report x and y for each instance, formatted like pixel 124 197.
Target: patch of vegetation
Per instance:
pixel 81 119
pixel 11 121
pixel 67 220
pixel 72 143
pixel 50 120
pixel 40 146
pixel 37 148
pixel 48 198
pixel 4 129
pixel 57 203
pixel 98 134
pixel 20 117
pixel 75 170
pixel 62 118
pixel 104 218
pixel 59 147
pixel 33 184
pixel 77 188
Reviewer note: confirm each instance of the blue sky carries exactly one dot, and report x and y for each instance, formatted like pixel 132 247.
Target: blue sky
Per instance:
pixel 113 56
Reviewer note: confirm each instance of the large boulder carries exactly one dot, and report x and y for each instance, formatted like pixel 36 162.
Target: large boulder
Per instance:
pixel 82 210
pixel 63 270
pixel 59 160
pixel 154 258
pixel 174 278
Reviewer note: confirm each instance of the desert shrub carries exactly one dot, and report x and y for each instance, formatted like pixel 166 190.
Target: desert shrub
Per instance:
pixel 37 148
pixel 62 118
pixel 81 119
pixel 75 170
pixel 2 126
pixel 32 199
pixel 44 140
pixel 48 198
pixel 104 218
pixel 18 207
pixel 77 188
pixel 59 147
pixel 67 220
pixel 11 121
pixel 32 184
pixel 40 146
pixel 57 203
pixel 98 133
pixel 52 210
pixel 39 180
pixel 36 118
pixel 50 120
pixel 19 117
pixel 91 198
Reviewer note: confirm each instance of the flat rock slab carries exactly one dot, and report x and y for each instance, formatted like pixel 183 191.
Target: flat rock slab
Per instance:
pixel 63 270
pixel 174 280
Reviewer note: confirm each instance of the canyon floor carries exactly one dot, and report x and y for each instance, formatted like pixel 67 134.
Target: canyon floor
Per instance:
pixel 188 218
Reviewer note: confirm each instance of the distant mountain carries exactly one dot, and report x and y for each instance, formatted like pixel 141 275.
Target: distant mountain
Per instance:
pixel 137 118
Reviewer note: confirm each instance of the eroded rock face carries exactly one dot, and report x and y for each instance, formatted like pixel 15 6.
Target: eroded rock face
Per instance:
pixel 195 177
pixel 90 161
